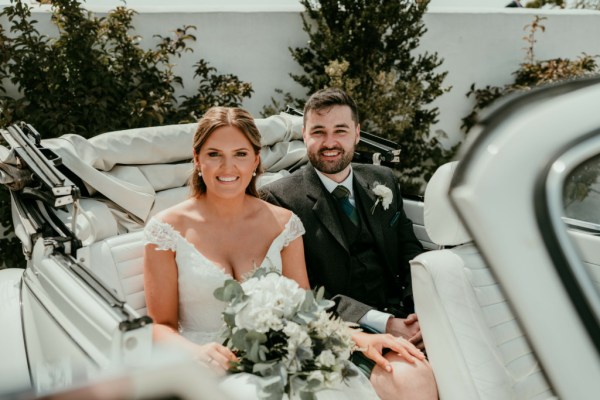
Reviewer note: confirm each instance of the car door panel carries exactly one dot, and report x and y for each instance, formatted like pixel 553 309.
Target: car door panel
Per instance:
pixel 70 329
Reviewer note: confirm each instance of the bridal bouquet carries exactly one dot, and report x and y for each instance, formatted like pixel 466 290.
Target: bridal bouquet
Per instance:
pixel 285 335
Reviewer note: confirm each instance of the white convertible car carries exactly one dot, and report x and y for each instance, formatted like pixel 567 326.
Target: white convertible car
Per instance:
pixel 508 296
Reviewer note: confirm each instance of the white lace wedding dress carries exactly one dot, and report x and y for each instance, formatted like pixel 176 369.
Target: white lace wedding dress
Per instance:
pixel 200 312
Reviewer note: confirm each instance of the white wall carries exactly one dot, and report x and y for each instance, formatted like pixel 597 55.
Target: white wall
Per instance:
pixel 487 47
pixel 481 46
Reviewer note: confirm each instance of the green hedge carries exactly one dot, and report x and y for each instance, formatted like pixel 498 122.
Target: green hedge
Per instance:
pixel 94 77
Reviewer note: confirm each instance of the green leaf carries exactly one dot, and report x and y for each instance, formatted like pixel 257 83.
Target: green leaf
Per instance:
pixel 230 290
pixel 264 368
pixel 229 318
pixel 255 351
pixel 238 340
pixel 320 293
pixel 307 395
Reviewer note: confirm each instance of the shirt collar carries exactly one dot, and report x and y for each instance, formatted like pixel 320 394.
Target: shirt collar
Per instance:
pixel 330 184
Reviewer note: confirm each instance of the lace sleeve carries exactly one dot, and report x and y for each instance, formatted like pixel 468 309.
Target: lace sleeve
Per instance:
pixel 161 234
pixel 293 229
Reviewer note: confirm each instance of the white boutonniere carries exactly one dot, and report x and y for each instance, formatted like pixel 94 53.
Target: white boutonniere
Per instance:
pixel 384 196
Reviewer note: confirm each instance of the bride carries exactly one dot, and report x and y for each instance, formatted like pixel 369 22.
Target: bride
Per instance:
pixel 224 231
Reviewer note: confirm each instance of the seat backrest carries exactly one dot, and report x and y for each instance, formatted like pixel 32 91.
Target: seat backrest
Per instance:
pixel 474 343
pixel 119 263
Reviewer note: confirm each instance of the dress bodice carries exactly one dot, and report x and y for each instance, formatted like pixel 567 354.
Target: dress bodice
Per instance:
pixel 199 311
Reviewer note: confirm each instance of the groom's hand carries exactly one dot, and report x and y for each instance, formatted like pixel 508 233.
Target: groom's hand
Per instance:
pixel 373 345
pixel 407 328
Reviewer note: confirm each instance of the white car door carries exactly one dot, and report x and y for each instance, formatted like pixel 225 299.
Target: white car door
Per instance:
pixel 510 192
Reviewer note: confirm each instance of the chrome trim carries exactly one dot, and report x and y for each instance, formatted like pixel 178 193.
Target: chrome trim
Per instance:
pixel 21 285
pixel 589 227
pixel 120 308
pixel 41 207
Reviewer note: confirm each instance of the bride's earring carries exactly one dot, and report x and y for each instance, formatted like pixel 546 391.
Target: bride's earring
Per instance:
pixel 254 173
pixel 200 174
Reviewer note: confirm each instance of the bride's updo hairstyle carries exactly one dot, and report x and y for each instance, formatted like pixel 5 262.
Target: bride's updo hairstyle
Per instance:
pixel 218 117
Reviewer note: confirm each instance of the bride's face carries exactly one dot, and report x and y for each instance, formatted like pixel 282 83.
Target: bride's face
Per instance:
pixel 227 161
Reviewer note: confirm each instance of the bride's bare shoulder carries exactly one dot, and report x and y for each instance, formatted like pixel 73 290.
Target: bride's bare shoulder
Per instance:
pixel 282 215
pixel 178 214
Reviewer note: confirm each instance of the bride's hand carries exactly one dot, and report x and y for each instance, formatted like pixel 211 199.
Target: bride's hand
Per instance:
pixel 372 346
pixel 215 356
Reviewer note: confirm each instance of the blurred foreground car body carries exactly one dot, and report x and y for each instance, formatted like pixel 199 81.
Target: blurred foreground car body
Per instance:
pixel 510 307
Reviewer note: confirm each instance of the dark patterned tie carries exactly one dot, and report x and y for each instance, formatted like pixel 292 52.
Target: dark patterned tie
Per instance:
pixel 342 194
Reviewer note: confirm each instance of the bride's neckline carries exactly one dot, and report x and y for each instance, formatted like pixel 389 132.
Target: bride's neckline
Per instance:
pixel 212 263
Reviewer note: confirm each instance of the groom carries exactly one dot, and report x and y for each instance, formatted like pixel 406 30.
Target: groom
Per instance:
pixel 358 239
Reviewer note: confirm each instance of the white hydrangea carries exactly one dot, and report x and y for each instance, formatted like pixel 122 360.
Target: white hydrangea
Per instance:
pixel 325 359
pixel 270 299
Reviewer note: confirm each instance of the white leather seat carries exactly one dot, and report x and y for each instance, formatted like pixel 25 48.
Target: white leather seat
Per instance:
pixel 119 263
pixel 474 343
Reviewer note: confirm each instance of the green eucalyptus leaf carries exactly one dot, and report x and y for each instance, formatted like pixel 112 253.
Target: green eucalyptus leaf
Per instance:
pixel 238 340
pixel 309 305
pixel 230 290
pixel 348 371
pixel 307 395
pixel 320 293
pixel 272 387
pixel 304 318
pixel 264 368
pixel 255 352
pixel 229 318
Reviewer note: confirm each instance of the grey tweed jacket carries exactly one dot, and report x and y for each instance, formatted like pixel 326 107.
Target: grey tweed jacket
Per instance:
pixel 326 251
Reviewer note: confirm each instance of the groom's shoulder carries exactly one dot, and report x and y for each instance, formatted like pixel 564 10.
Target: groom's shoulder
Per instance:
pixel 373 170
pixel 286 186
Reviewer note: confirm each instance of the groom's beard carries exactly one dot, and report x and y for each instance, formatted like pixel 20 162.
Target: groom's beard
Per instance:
pixel 330 167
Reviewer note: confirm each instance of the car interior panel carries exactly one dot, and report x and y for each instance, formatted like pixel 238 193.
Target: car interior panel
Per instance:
pixel 475 344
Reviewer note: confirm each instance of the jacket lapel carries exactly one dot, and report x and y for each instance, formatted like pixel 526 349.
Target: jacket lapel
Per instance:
pixel 322 209
pixel 366 199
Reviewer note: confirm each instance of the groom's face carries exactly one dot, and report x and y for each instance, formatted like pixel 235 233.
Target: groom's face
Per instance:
pixel 331 136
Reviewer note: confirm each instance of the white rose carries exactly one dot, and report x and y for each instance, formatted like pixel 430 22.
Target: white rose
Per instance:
pixel 325 359
pixel 385 194
pixel 316 376
pixel 297 335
